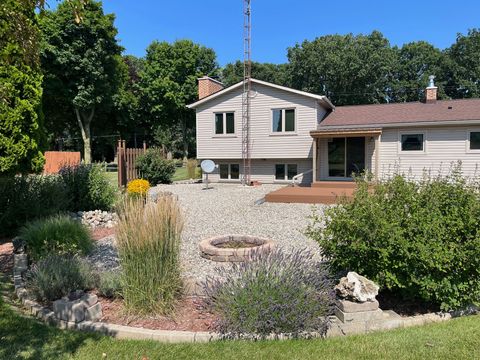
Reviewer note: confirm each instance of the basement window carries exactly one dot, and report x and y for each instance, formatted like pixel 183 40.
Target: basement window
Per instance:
pixel 283 120
pixel 229 171
pixel 285 171
pixel 412 142
pixel 224 123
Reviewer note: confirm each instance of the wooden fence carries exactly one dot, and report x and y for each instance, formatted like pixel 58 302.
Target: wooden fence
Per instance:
pixel 127 157
pixel 55 160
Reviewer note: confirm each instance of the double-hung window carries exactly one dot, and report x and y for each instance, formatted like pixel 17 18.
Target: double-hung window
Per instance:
pixel 229 171
pixel 224 123
pixel 285 171
pixel 283 120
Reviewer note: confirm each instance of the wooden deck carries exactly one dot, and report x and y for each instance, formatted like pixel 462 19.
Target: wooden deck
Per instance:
pixel 320 192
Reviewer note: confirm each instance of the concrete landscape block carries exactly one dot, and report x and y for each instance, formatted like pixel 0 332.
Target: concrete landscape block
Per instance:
pixel 413 321
pixel 89 299
pixel 69 310
pixel 350 306
pixel 18 281
pixel 36 309
pixel 361 316
pixel 377 325
pixel 94 312
pixel 353 328
pixel 20 262
pixel 174 336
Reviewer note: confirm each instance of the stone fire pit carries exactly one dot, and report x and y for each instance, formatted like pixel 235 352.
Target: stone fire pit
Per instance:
pixel 233 247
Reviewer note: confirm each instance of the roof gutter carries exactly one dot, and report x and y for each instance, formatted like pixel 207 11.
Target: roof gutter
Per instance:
pixel 401 124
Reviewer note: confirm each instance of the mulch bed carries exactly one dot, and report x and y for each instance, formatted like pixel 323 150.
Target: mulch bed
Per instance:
pixel 390 301
pixel 6 257
pixel 99 233
pixel 190 315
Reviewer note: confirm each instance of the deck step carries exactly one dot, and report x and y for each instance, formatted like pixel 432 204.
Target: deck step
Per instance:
pixel 308 195
pixel 335 184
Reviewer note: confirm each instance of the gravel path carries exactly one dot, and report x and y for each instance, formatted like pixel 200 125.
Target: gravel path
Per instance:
pixel 230 209
pixel 224 209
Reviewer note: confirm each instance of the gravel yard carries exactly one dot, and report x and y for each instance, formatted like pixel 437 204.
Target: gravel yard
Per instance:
pixel 224 209
pixel 230 209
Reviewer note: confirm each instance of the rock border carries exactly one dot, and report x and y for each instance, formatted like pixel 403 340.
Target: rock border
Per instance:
pixel 361 323
pixel 208 250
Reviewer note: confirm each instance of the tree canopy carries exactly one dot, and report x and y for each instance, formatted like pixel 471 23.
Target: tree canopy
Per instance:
pixel 21 128
pixel 275 73
pixel 82 64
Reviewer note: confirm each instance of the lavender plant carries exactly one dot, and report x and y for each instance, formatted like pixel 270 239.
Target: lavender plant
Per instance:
pixel 276 292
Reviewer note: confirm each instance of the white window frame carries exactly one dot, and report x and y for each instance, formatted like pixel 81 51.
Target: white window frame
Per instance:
pixel 285 168
pixel 224 116
pixel 229 178
pixel 283 132
pixel 412 152
pixel 468 149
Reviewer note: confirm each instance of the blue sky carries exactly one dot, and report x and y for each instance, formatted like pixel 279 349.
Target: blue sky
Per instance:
pixel 278 24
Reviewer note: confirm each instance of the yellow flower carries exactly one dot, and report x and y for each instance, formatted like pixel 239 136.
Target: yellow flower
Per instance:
pixel 138 187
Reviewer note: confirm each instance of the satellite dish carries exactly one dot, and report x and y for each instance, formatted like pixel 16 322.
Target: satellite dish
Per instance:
pixel 208 166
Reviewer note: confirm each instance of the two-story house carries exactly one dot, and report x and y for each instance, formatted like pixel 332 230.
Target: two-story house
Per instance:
pixel 294 132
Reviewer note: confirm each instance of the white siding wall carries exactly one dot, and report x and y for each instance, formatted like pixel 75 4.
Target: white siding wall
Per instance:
pixel 265 144
pixel 264 170
pixel 443 145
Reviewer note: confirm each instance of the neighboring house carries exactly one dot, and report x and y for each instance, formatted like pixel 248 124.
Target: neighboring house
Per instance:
pixel 294 132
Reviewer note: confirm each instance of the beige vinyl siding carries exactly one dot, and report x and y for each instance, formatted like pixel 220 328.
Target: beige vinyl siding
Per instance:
pixel 443 146
pixel 264 143
pixel 264 170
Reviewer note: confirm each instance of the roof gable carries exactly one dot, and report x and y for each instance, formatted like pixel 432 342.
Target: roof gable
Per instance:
pixel 320 98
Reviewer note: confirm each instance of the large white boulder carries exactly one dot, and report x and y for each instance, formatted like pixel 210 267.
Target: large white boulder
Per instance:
pixel 355 287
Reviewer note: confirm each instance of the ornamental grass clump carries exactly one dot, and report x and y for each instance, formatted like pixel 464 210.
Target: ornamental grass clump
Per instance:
pixel 276 292
pixel 148 238
pixel 60 235
pixel 418 239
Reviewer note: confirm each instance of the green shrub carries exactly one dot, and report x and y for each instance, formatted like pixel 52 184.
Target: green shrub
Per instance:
pixel 110 284
pixel 155 168
pixel 148 240
pixel 56 235
pixel 88 187
pixel 418 239
pixel 25 198
pixel 56 276
pixel 274 293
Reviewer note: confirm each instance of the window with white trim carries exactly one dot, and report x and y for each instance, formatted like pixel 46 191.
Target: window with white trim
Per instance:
pixel 412 142
pixel 224 123
pixel 474 140
pixel 283 120
pixel 285 171
pixel 229 171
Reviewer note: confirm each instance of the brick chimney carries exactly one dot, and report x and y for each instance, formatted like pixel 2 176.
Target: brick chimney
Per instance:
pixel 207 86
pixel 431 91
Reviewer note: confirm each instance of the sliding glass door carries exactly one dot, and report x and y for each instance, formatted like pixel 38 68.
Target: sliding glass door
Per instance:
pixel 346 156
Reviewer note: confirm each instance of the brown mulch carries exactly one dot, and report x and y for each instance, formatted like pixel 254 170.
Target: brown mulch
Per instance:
pixel 99 233
pixel 190 315
pixel 389 301
pixel 6 257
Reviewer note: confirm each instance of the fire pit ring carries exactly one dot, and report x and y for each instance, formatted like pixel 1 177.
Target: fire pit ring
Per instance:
pixel 233 248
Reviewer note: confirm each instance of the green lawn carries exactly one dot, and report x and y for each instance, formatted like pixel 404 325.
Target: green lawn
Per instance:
pixel 112 177
pixel 25 338
pixel 181 174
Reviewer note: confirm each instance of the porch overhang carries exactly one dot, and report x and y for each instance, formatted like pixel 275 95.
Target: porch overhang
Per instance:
pixel 329 133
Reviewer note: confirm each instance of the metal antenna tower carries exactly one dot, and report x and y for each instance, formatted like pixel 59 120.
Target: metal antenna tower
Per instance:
pixel 247 86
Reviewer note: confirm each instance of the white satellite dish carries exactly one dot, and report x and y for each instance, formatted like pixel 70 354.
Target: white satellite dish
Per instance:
pixel 208 166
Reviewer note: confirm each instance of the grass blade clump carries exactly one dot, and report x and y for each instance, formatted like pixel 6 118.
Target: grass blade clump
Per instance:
pixel 148 237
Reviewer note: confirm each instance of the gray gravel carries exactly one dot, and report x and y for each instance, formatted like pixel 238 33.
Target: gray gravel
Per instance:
pixel 230 209
pixel 224 209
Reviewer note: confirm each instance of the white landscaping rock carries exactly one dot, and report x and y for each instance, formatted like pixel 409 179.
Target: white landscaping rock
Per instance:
pixel 357 288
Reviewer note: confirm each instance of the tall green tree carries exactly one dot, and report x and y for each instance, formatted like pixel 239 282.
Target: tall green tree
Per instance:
pixel 21 129
pixel 275 73
pixel 465 55
pixel 169 82
pixel 348 69
pixel 415 62
pixel 82 63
